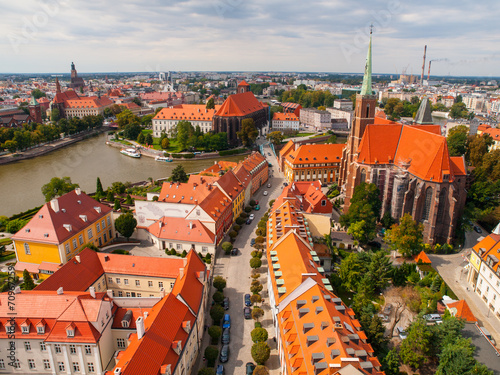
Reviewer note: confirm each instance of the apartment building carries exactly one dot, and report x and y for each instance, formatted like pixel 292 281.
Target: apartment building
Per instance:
pixel 320 120
pixel 285 122
pixel 167 119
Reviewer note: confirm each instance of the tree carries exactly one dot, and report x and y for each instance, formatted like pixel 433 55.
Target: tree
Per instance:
pixel 110 197
pixel 128 200
pixel 126 117
pixel 117 206
pixel 332 139
pixel 275 137
pixel 457 139
pixel 149 139
pixel 219 283
pixel 416 347
pixel 390 363
pixel 255 298
pixel 165 143
pixel 57 187
pixel 261 352
pixel 406 237
pixel 10 145
pixel 132 131
pixel 215 332
pixel 210 104
pixel 211 354
pixel 261 370
pixel 184 130
pixel 227 247
pixel 218 297
pixel 37 93
pixel 179 174
pixel 459 110
pixel 125 224
pixel 141 139
pixel 55 115
pixel 216 313
pixel 15 225
pixel 477 148
pixel 248 133
pixel 28 283
pixel 259 335
pixel 206 371
pixel 255 263
pixel 99 190
pixel 255 289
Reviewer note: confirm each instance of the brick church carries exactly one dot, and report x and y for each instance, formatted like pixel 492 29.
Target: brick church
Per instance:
pixel 237 108
pixel 410 164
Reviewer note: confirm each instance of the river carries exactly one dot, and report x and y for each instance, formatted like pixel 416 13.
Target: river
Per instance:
pixel 83 162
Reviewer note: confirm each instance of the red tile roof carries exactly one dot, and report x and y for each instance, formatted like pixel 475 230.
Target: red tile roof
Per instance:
pixel 135 313
pixel 230 184
pixel 461 309
pixel 285 117
pixel 89 102
pixel 316 153
pixel 422 258
pixel 189 112
pixel 240 105
pixel 76 210
pixel 178 228
pixel 243 83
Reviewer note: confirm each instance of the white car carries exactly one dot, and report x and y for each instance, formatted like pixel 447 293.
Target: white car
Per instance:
pixel 265 192
pixel 251 217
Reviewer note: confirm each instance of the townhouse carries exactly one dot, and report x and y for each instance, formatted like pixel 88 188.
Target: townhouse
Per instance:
pixel 285 122
pixel 306 197
pixel 198 115
pixel 257 167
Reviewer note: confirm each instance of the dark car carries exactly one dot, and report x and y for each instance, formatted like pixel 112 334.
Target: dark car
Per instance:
pixel 250 367
pixel 224 353
pixel 249 221
pixel 226 323
pixel 234 251
pixel 226 336
pixel 225 303
pixel 375 244
pixel 257 208
pixel 252 242
pixel 248 302
pixel 247 312
pixel 477 229
pixel 220 370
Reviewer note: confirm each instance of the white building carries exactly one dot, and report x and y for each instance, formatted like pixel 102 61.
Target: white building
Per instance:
pixel 285 121
pixel 198 115
pixel 321 120
pixel 346 114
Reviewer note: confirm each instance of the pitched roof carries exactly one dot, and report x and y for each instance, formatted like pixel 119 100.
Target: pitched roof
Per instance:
pixel 88 102
pixel 188 193
pixel 278 116
pixel 423 115
pixel 76 212
pixel 489 247
pixel 220 166
pixel 461 309
pixel 243 83
pixel 230 184
pixel 316 153
pixel 422 258
pixel 241 104
pixel 190 284
pixel 188 112
pixel 178 228
pixel 287 148
pixel 216 203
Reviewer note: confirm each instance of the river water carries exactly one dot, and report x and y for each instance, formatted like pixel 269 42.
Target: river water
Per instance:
pixel 21 182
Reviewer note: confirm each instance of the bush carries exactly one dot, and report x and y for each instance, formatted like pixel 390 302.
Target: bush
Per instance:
pixel 219 283
pixel 218 297
pixel 121 251
pixel 215 332
pixel 255 263
pixel 248 209
pixel 261 370
pixel 184 254
pixel 233 234
pixel 236 227
pixel 216 313
pixel 260 352
pixel 253 203
pixel 255 298
pixel 257 325
pixel 240 221
pixel 227 247
pixel 255 282
pixel 271 202
pixel 255 275
pixel 256 289
pixel 244 215
pixel 256 254
pixel 259 335
pixel 211 354
pixel 207 371
pixel 260 232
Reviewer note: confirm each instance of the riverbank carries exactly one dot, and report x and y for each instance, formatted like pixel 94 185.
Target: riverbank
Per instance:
pixel 46 148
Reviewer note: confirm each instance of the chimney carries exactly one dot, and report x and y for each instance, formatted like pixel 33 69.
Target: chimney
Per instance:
pixel 54 203
pixel 92 291
pixel 181 272
pixel 190 225
pixel 145 314
pixel 60 290
pixel 78 259
pixel 184 261
pixel 109 292
pixel 78 191
pixel 117 371
pixel 17 290
pixel 139 323
pixel 162 292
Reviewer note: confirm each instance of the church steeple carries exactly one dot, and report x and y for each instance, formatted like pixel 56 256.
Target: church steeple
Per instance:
pixel 366 89
pixel 58 86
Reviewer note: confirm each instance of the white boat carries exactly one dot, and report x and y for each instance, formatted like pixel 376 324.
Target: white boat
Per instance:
pixel 163 158
pixel 132 152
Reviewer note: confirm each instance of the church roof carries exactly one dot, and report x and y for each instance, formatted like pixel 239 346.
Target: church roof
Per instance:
pixel 33 101
pixel 423 115
pixel 366 88
pixel 243 83
pixel 423 153
pixel 240 105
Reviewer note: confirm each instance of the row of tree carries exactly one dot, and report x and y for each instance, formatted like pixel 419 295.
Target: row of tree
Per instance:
pixel 307 98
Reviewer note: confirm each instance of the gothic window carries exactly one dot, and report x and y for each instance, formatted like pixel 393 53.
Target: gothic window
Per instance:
pixel 367 111
pixel 442 205
pixel 427 207
pixel 363 176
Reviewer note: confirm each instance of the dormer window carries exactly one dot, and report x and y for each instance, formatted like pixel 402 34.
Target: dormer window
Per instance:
pixel 84 218
pixel 25 329
pixel 70 332
pixel 40 330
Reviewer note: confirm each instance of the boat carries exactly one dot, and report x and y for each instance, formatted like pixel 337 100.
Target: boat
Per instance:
pixel 132 152
pixel 163 158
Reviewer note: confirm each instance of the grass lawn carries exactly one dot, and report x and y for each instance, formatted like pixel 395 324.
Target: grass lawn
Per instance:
pixel 173 147
pixel 5 241
pixel 7 255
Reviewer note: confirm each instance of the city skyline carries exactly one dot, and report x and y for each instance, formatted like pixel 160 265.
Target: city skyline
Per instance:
pixel 232 35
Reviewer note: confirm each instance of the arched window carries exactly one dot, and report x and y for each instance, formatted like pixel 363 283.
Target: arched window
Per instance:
pixel 427 207
pixel 443 195
pixel 367 111
pixel 409 202
pixel 27 248
pixel 363 176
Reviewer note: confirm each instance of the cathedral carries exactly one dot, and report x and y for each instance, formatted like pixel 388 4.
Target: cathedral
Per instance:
pixel 410 164
pixel 76 82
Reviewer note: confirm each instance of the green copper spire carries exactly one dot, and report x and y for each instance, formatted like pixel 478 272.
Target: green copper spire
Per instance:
pixel 366 89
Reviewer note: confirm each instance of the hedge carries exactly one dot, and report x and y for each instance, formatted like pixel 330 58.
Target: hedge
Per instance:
pixel 233 152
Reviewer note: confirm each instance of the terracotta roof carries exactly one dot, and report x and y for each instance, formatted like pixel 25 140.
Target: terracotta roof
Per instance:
pixel 202 179
pixel 230 184
pixel 253 161
pixel 241 104
pixel 189 193
pixel 287 148
pixel 306 196
pixel 133 314
pixel 88 102
pixel 188 112
pixel 220 166
pixel 76 210
pixel 216 203
pixel 63 97
pixel 242 174
pixel 178 228
pixel 243 83
pixel 461 309
pixel 316 153
pixel 489 247
pixel 422 258
pixel 458 165
pixel 278 116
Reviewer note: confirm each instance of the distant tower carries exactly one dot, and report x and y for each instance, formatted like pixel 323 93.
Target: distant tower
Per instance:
pixel 76 82
pixel 35 110
pixel 161 76
pixel 243 87
pixel 58 86
pixel 364 114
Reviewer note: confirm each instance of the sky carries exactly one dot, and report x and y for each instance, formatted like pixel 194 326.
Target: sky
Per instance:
pixel 45 36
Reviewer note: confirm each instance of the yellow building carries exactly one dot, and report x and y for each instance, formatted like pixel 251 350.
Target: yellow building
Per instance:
pixel 234 190
pixel 59 230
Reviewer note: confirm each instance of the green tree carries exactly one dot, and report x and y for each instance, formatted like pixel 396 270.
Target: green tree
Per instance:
pixel 332 139
pixel 28 283
pixel 15 225
pixel 227 247
pixel 125 224
pixel 477 148
pixel 179 174
pixel 261 352
pixel 260 370
pixel 110 197
pixel 206 371
pixel 10 145
pixel 406 237
pixel 57 187
pixel 219 283
pixel 248 133
pixel 37 94
pixel 255 263
pixel 117 205
pixel 275 137
pixel 165 143
pixel 259 335
pixel 132 131
pixel 216 313
pixel 256 289
pixel 391 362
pixel 149 139
pixel 210 103
pixel 416 347
pixel 218 297
pixel 215 332
pixel 118 187
pixel 126 117
pixel 99 190
pixel 459 110
pixel 129 200
pixel 184 130
pixel 55 115
pixel 211 354
pixel 141 139
pixel 457 139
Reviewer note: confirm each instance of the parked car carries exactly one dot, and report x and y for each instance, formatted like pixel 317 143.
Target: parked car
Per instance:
pixel 250 367
pixel 265 192
pixel 224 353
pixel 252 242
pixel 249 221
pixel 432 317
pixel 234 251
pixel 220 370
pixel 247 312
pixel 226 323
pixel 225 303
pixel 248 302
pixel 402 333
pixel 251 217
pixel 268 185
pixel 269 165
pixel 477 229
pixel 257 208
pixel 226 336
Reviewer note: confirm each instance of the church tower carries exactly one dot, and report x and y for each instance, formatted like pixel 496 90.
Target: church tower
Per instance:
pixel 364 114
pixel 35 110
pixel 243 87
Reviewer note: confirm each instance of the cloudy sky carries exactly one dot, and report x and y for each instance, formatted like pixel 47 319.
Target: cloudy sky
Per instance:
pixel 249 35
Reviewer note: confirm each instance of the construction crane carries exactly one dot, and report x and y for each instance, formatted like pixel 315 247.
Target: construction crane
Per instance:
pixel 423 66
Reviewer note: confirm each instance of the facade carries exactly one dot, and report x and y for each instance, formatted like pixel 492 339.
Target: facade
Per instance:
pixel 229 184
pixel 198 115
pixel 484 271
pixel 235 109
pixel 285 122
pixel 338 114
pixel 315 331
pixel 343 104
pixel 86 106
pixel 314 162
pixel 59 230
pixel 494 133
pixel 320 120
pixel 257 167
pixel 290 146
pixel 410 165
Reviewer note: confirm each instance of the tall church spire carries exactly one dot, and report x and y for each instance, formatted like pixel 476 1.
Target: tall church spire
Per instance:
pixel 366 89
